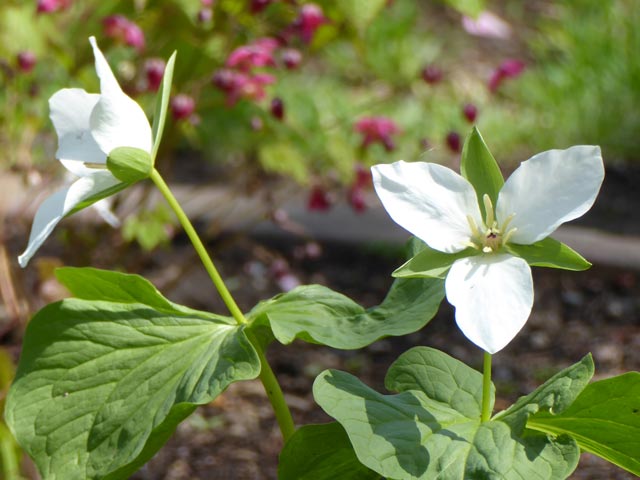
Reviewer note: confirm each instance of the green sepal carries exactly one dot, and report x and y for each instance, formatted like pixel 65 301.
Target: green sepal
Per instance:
pixel 129 164
pixel 432 428
pixel 431 263
pixel 317 452
pixel 604 419
pixel 98 196
pixel 479 167
pixel 550 253
pixel 162 104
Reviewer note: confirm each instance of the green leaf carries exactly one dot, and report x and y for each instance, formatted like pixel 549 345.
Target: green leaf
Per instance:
pixel 102 385
pixel 162 104
pixel 431 263
pixel 555 395
pixel 432 429
pixel 317 314
pixel 479 167
pixel 90 283
pixel 361 13
pixel 604 420
pixel 129 164
pixel 321 452
pixel 440 377
pixel 550 253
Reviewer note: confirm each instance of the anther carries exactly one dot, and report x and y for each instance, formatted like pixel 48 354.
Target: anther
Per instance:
pixel 488 207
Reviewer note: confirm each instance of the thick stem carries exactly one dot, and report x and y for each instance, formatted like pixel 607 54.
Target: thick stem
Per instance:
pixel 267 377
pixel 486 388
pixel 197 244
pixel 274 393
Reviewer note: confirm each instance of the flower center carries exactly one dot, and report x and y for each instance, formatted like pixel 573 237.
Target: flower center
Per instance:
pixel 490 237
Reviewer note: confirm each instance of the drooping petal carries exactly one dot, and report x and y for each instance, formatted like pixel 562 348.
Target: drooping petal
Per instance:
pixel 55 207
pixel 117 120
pixel 549 189
pixel 493 296
pixel 70 110
pixel 430 201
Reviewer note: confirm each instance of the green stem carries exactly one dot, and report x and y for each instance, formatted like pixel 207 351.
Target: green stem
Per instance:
pixel 267 377
pixel 197 244
pixel 486 388
pixel 274 393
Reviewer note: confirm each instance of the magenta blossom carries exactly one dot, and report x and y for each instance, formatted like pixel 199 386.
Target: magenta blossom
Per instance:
pixel 377 129
pixel 124 30
pixel 49 6
pixel 508 69
pixel 319 199
pixel 26 61
pixel 182 106
pixel 310 18
pixel 255 55
pixel 237 85
pixel 154 71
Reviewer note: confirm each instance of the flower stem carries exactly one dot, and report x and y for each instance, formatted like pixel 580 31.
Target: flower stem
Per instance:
pixel 197 244
pixel 274 392
pixel 267 377
pixel 486 388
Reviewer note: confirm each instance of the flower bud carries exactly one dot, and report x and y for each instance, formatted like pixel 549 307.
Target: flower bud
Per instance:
pixel 129 164
pixel 26 61
pixel 291 58
pixel 154 71
pixel 277 108
pixel 470 112
pixel 453 141
pixel 432 74
pixel 182 106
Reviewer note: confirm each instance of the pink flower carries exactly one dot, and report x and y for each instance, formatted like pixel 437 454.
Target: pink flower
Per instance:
pixel 432 74
pixel 507 69
pixel 318 199
pixel 256 6
pixel 239 85
pixel 49 6
pixel 124 30
pixel 377 129
pixel 291 58
pixel 26 61
pixel 255 55
pixel 309 20
pixel 487 25
pixel 182 106
pixel 154 71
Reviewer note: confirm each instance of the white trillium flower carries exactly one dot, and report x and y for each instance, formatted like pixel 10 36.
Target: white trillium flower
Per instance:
pixel 491 290
pixel 89 127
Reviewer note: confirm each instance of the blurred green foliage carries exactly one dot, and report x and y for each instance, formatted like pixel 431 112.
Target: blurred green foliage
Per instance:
pixel 581 85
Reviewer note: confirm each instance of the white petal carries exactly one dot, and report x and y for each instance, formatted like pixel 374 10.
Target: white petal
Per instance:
pixel 55 207
pixel 70 110
pixel 549 189
pixel 493 296
pixel 117 120
pixel 428 200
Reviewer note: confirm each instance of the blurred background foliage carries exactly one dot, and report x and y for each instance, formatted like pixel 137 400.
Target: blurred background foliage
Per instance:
pixel 529 75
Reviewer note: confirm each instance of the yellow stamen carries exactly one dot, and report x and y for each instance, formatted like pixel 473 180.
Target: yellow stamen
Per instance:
pixel 508 235
pixel 488 207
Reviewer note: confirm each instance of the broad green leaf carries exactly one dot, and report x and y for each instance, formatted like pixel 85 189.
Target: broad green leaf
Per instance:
pixel 440 377
pixel 431 263
pixel 317 314
pixel 554 395
pixel 162 104
pixel 90 283
pixel 414 436
pixel 101 385
pixel 604 420
pixel 479 167
pixel 550 253
pixel 361 13
pixel 321 452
